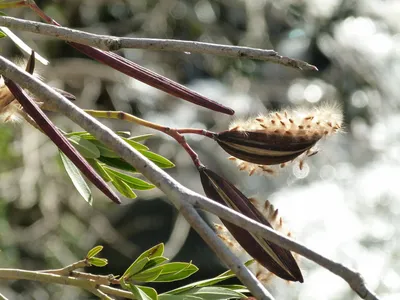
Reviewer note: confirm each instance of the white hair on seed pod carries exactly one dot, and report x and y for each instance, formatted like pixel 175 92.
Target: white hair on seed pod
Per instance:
pixel 305 122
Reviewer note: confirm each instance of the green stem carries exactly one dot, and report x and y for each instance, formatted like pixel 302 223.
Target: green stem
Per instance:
pixel 174 133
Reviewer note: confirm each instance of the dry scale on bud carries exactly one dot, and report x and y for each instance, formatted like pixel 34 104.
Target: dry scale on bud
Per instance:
pixel 279 137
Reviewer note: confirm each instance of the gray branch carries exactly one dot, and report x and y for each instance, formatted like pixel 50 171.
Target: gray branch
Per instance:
pixel 184 199
pixel 112 43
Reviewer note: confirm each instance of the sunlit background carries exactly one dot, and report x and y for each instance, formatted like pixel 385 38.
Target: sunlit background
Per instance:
pixel 345 203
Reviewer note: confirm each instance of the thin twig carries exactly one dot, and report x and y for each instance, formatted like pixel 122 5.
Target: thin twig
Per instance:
pixel 177 193
pixel 85 283
pixel 116 292
pixel 112 43
pixel 16 274
pixel 66 271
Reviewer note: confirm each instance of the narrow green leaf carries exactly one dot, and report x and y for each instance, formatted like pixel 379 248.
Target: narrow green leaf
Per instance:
pixel 136 145
pixel 159 160
pixel 152 293
pixel 104 151
pixel 125 134
pixel 155 251
pixel 117 163
pixel 86 148
pixel 155 261
pixel 172 271
pixel 147 276
pixel 94 251
pixel 135 267
pixel 99 169
pixel 77 133
pixel 140 138
pixel 133 182
pixel 77 179
pixel 2 34
pixel 208 282
pixel 98 262
pixel 122 187
pixel 215 293
pixel 137 292
pixel 236 287
pixel 178 297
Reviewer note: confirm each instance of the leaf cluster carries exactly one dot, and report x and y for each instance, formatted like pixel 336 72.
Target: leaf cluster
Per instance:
pixel 109 165
pixel 152 266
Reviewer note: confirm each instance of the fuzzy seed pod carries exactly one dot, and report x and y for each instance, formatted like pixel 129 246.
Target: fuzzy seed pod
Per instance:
pixel 276 259
pixel 279 137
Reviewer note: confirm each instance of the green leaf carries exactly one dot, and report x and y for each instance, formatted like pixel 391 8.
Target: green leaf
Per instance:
pixel 86 148
pixel 155 261
pixel 94 251
pixel 99 169
pixel 159 160
pixel 215 293
pixel 236 287
pixel 133 182
pixel 104 151
pixel 135 267
pixel 140 138
pixel 147 276
pixel 78 133
pixel 137 292
pixel 2 34
pixel 122 187
pixel 98 262
pixel 122 133
pixel 144 258
pixel 117 163
pixel 152 293
pixel 208 282
pixel 178 297
pixel 136 145
pixel 171 271
pixel 77 179
pixel 155 251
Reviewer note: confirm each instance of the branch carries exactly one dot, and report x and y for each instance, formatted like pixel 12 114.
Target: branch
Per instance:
pixel 100 290
pixel 112 43
pixel 15 274
pixel 177 193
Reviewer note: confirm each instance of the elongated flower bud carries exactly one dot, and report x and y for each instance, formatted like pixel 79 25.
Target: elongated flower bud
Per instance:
pixel 276 259
pixel 279 137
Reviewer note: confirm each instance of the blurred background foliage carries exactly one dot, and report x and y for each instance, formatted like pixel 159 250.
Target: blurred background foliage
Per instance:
pixel 345 203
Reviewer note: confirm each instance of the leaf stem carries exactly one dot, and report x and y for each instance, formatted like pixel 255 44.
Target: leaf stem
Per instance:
pixel 174 133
